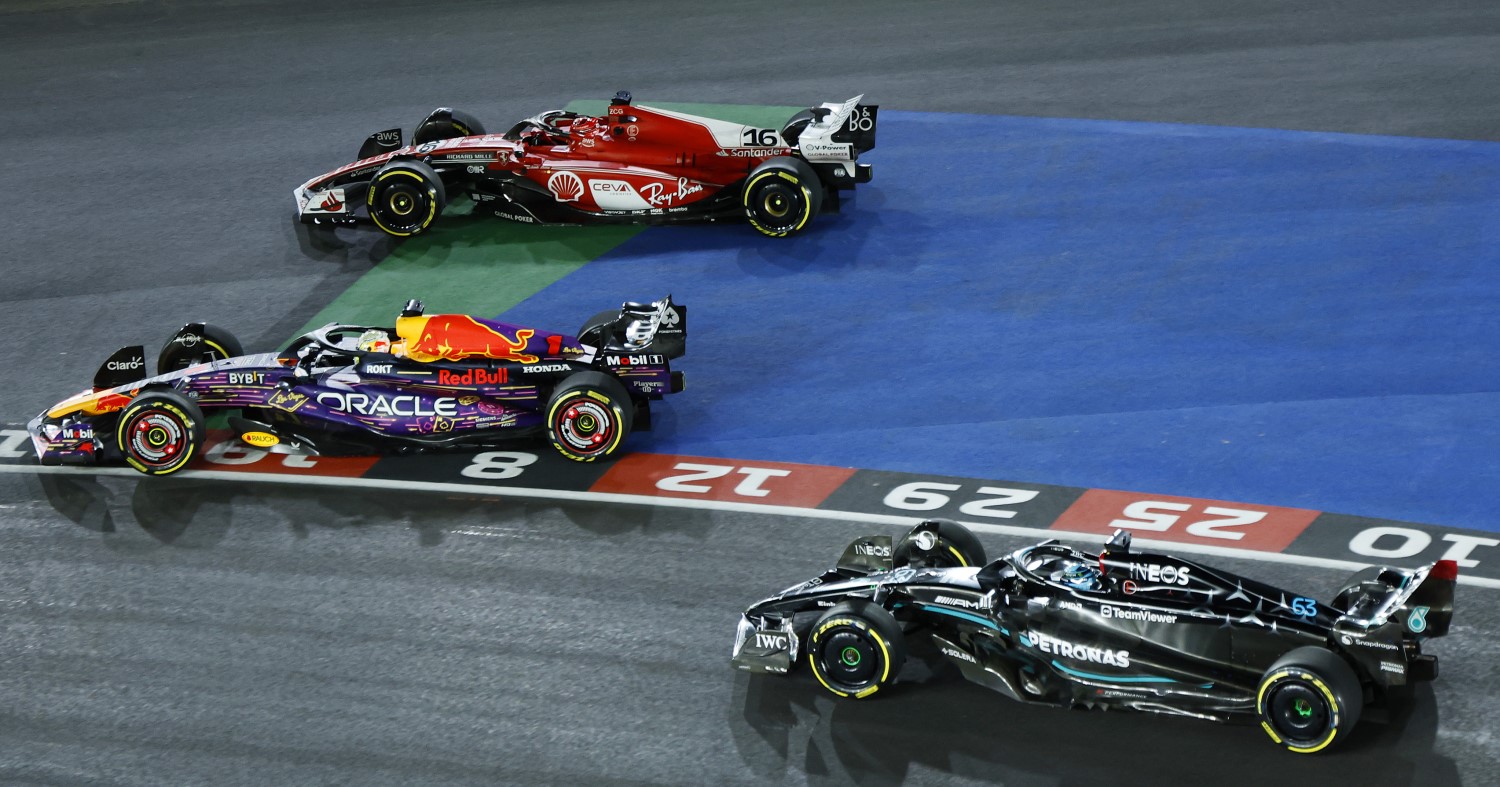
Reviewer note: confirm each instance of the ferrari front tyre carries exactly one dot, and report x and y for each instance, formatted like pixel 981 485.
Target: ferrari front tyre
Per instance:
pixel 938 543
pixel 782 195
pixel 1307 698
pixel 160 432
pixel 405 198
pixel 442 125
pixel 197 343
pixel 856 649
pixel 589 416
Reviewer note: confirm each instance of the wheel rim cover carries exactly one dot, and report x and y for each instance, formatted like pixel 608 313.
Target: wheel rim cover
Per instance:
pixel 585 426
pixel 849 658
pixel 157 438
pixel 1298 712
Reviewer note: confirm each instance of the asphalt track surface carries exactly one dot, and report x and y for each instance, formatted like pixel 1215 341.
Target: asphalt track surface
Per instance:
pixel 228 635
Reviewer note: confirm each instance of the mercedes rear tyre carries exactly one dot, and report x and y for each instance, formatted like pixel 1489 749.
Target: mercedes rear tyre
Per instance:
pixel 588 416
pixel 405 198
pixel 197 343
pixel 856 649
pixel 781 196
pixel 160 432
pixel 1307 698
pixel 938 543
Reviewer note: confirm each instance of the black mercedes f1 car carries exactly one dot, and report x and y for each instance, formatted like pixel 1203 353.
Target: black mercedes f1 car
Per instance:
pixel 1050 624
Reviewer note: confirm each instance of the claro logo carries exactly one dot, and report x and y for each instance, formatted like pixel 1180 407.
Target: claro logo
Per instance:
pixel 123 366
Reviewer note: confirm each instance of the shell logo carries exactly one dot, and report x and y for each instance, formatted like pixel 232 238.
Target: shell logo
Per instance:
pixel 566 186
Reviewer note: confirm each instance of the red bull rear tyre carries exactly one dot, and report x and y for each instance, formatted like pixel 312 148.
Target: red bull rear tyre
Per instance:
pixel 589 416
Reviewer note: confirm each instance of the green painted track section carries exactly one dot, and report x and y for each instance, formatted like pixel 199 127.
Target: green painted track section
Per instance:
pixel 485 266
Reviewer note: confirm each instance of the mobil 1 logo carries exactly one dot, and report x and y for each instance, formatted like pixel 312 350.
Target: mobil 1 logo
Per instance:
pixel 906 494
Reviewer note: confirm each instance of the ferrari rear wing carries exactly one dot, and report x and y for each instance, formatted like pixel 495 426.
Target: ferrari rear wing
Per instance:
pixel 852 122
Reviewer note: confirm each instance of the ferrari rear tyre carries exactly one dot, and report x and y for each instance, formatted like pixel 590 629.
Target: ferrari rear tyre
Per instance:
pixel 792 131
pixel 160 432
pixel 938 543
pixel 405 198
pixel 446 124
pixel 589 416
pixel 781 196
pixel 856 649
pixel 1307 698
pixel 197 343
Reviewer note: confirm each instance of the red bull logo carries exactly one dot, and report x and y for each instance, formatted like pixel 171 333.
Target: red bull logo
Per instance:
pixel 474 377
pixel 454 337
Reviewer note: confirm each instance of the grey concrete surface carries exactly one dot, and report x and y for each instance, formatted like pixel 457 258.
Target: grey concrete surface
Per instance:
pixel 155 634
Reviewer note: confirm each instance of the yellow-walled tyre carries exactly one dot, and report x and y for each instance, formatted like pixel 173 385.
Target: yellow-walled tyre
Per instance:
pixel 1308 699
pixel 856 649
pixel 938 543
pixel 197 343
pixel 589 416
pixel 782 196
pixel 405 198
pixel 446 124
pixel 160 432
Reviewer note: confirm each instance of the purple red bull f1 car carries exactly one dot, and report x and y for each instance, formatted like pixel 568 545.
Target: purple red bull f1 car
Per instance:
pixel 1123 628
pixel 430 381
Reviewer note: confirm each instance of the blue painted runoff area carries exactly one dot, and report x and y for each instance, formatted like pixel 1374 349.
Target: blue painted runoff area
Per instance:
pixel 1274 317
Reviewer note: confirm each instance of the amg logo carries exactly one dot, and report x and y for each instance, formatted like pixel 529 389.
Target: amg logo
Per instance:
pixel 958 654
pixel 247 378
pixel 872 550
pixel 1170 575
pixel 957 602
pixel 377 368
pixel 770 641
pixel 1049 644
pixel 1143 615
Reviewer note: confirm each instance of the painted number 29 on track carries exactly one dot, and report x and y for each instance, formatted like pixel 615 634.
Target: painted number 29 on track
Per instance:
pixel 990 501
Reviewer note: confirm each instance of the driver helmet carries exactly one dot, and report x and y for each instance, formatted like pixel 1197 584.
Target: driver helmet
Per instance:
pixel 1077 574
pixel 584 126
pixel 374 341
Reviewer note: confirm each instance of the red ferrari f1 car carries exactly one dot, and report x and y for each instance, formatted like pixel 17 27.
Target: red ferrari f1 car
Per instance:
pixel 635 164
